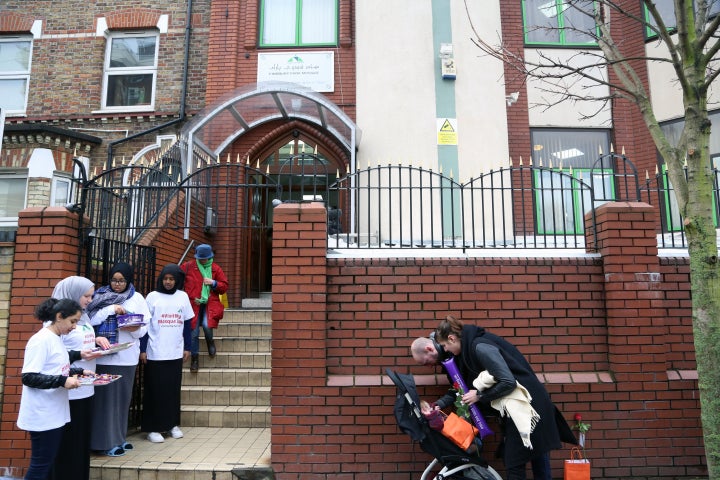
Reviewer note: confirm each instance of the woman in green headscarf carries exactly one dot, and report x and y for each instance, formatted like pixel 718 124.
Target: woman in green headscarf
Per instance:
pixel 205 281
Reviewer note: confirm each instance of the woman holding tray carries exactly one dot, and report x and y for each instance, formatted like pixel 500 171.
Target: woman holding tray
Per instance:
pixel 112 401
pixel 163 351
pixel 47 377
pixel 73 459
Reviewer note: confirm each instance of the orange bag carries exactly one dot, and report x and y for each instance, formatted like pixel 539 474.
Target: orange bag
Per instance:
pixel 576 467
pixel 460 431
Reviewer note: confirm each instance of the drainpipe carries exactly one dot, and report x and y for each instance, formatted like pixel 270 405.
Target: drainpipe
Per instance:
pixel 181 113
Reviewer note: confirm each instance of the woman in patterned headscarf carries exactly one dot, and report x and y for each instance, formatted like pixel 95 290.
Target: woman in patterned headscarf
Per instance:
pixel 112 402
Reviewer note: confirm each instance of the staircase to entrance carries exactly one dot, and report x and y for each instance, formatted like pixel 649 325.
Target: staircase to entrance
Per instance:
pixel 225 413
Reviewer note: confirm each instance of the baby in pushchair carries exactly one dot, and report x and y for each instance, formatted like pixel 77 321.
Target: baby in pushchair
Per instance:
pixel 451 460
pixel 460 431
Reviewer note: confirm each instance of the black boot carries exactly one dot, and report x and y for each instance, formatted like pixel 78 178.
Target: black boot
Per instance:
pixel 211 347
pixel 194 363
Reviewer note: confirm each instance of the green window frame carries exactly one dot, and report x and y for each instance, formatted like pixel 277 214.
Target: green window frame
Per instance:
pixel 561 201
pixel 673 220
pixel 559 23
pixel 298 23
pixel 570 155
pixel 666 8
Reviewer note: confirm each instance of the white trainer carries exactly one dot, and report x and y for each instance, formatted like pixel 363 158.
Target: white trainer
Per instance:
pixel 155 437
pixel 176 432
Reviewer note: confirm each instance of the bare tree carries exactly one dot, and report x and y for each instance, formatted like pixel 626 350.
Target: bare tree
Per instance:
pixel 692 45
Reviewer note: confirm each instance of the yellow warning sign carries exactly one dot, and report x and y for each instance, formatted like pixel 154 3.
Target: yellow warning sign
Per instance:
pixel 447 131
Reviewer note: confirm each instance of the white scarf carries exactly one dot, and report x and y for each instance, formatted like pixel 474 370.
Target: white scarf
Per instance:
pixel 515 404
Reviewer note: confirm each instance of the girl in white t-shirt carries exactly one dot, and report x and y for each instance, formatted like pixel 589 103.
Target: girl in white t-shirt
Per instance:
pixel 46 378
pixel 73 458
pixel 163 351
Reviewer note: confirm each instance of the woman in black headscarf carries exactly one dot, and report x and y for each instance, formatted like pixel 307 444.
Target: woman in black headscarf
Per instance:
pixel 112 402
pixel 163 351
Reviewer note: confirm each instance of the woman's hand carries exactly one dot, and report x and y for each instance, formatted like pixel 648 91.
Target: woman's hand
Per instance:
pixel 472 396
pixel 143 357
pixel 72 383
pixel 208 281
pixel 119 310
pixel 130 328
pixel 89 354
pixel 102 342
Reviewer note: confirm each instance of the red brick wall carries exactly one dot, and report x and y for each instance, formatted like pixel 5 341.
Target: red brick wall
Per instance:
pixel 609 334
pixel 46 251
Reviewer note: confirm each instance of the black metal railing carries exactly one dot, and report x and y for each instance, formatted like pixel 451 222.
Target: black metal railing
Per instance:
pixel 514 207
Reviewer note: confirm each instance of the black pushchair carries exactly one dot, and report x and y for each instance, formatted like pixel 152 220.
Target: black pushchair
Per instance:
pixel 452 461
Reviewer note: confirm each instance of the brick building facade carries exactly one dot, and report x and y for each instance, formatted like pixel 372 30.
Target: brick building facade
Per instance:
pixel 609 339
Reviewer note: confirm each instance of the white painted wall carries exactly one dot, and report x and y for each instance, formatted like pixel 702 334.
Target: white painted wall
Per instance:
pixel 396 86
pixel 665 92
pixel 479 91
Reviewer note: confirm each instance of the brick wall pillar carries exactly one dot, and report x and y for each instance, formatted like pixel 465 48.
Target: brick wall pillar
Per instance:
pixel 301 411
pixel 46 251
pixel 634 299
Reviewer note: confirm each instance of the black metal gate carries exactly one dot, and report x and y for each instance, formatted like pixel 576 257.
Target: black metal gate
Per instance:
pixel 127 210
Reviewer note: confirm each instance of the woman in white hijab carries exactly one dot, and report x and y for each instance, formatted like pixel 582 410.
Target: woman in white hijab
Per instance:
pixel 73 458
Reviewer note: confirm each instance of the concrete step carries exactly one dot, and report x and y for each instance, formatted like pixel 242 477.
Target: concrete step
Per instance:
pixel 235 360
pixel 238 344
pixel 227 377
pixel 204 453
pixel 264 302
pixel 233 416
pixel 243 329
pixel 225 395
pixel 246 316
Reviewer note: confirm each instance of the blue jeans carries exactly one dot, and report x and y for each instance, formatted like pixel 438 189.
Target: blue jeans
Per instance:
pixel 195 338
pixel 45 446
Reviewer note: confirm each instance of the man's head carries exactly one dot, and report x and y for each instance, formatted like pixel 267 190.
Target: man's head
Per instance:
pixel 424 352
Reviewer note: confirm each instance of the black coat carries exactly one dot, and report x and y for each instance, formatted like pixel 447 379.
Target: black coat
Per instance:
pixel 481 351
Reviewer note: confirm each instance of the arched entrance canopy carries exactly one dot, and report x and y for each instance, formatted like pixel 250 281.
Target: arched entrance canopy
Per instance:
pixel 218 125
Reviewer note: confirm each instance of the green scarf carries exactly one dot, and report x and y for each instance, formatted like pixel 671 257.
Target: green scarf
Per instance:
pixel 206 272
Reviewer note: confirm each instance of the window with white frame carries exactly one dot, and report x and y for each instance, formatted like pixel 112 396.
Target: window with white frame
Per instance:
pixel 298 23
pixel 15 61
pixel 130 72
pixel 559 22
pixel 13 196
pixel 571 156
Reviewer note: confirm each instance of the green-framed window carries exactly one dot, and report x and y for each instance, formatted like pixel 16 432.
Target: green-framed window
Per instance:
pixel 559 22
pixel 571 156
pixel 673 220
pixel 561 201
pixel 673 130
pixel 298 23
pixel 666 8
